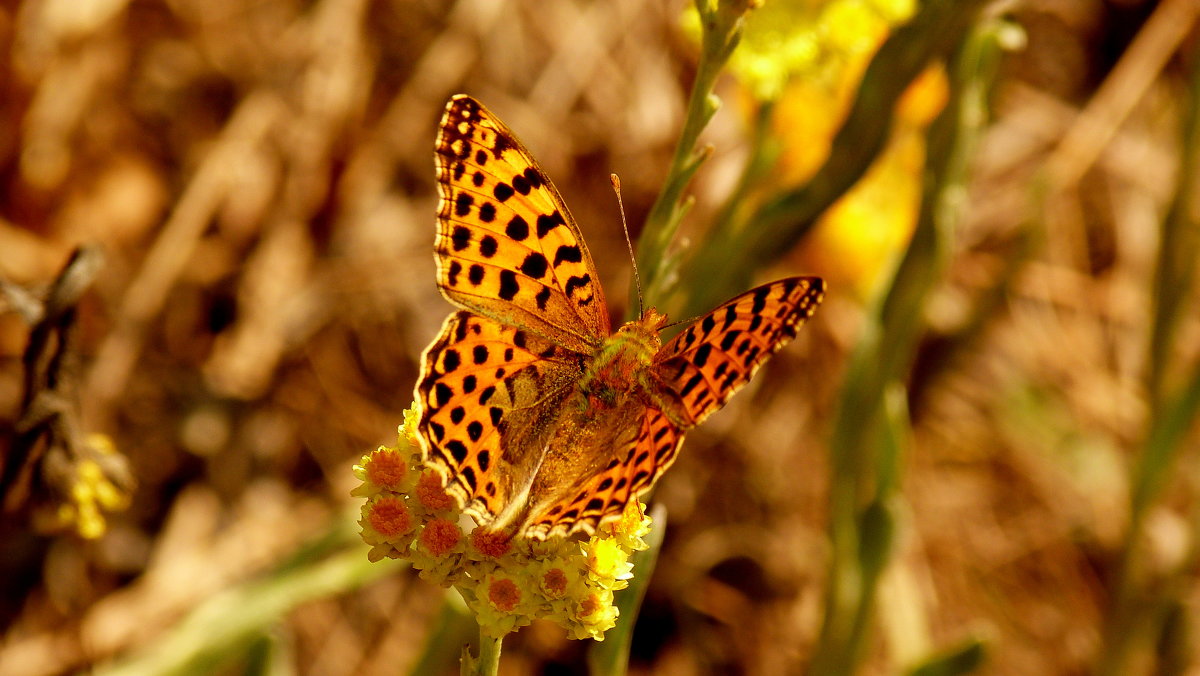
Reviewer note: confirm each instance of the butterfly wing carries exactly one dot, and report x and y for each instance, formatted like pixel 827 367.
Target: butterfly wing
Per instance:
pixel 637 454
pixel 697 372
pixel 489 396
pixel 507 248
pixel 702 366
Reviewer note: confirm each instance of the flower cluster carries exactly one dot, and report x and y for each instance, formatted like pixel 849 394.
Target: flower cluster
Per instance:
pixel 507 583
pixel 94 484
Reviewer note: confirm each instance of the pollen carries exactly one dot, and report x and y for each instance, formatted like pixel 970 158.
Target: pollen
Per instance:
pixel 440 536
pixel 504 594
pixel 390 517
pixel 387 468
pixel 432 494
pixel 489 543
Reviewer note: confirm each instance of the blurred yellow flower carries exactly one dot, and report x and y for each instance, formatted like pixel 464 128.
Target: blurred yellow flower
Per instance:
pixel 91 492
pixel 808 57
pixel 856 241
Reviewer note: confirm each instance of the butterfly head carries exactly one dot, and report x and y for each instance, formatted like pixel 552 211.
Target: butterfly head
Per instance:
pixel 652 320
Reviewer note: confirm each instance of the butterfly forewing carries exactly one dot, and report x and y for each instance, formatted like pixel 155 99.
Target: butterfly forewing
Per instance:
pixel 506 246
pixel 714 357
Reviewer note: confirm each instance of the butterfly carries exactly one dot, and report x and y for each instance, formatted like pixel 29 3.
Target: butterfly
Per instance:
pixel 540 419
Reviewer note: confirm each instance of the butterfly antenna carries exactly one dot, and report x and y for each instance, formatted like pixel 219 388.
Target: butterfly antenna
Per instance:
pixel 682 321
pixel 616 184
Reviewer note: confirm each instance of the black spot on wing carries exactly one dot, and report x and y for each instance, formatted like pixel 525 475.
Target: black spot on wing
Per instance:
pixel 691 385
pixel 508 285
pixel 577 282
pixel 569 254
pixel 547 223
pixel 517 228
pixel 729 339
pixel 462 204
pixel 501 145
pixel 730 315
pixel 521 185
pixel 760 299
pixel 460 238
pixel 534 178
pixel 442 394
pixel 450 361
pixel 474 430
pixel 488 246
pixel 534 265
pixel 487 212
pixel 457 449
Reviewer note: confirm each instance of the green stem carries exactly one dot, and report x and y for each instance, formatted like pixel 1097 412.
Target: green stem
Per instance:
pixel 1136 615
pixel 864 446
pixel 488 661
pixel 720 31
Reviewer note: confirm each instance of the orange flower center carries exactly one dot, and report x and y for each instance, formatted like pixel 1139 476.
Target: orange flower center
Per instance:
pixel 440 536
pixel 386 468
pixel 504 594
pixel 490 543
pixel 554 582
pixel 390 517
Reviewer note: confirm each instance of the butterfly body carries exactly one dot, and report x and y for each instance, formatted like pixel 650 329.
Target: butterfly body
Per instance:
pixel 540 419
pixel 622 363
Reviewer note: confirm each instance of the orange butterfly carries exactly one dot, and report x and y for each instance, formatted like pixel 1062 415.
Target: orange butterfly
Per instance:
pixel 540 419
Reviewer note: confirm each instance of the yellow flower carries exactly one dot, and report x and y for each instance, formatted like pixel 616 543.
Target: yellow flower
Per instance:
pixel 507 582
pixel 631 528
pixel 501 604
pixel 607 563
pixel 595 615
pixel 91 491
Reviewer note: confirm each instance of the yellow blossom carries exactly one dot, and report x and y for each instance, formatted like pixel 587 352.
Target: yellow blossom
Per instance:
pixel 608 564
pixel 506 581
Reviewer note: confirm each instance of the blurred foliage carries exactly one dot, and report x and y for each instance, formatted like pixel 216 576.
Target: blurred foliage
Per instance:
pixel 980 455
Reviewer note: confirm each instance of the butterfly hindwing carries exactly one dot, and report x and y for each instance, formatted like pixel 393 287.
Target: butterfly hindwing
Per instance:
pixel 633 466
pixel 707 362
pixel 507 247
pixel 483 386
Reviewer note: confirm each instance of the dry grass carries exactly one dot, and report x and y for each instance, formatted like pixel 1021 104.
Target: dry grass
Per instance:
pixel 259 176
